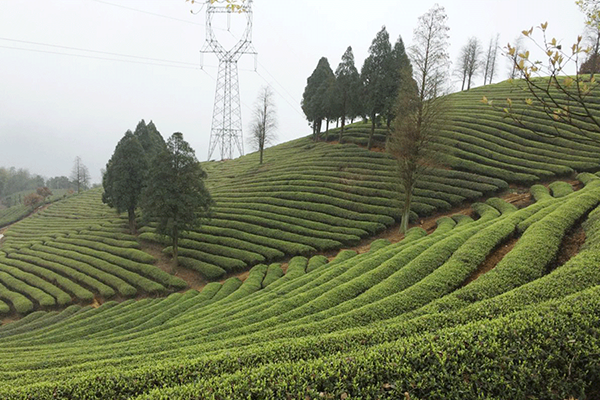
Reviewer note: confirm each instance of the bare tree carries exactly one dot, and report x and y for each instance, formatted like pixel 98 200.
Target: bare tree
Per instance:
pixel 469 61
pixel 420 108
pixel 490 60
pixel 80 176
pixel 591 8
pixel 264 123
pixel 429 53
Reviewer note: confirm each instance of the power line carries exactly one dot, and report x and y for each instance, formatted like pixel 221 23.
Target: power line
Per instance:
pixel 276 81
pixel 147 12
pixel 294 107
pixel 105 58
pixel 156 14
pixel 90 51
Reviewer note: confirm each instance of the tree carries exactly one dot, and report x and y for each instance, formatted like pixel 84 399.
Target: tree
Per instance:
pixel 125 176
pixel 591 9
pixel 420 110
pixel 469 61
pixel 490 60
pixel 175 196
pixel 264 122
pixel 44 192
pixel 80 175
pixel 33 200
pixel 150 138
pixel 373 74
pixel 59 182
pixel 429 53
pixel 399 69
pixel 316 95
pixel 347 81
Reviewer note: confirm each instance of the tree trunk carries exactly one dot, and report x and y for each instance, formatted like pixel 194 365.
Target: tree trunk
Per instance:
pixel 370 142
pixel 131 215
pixel 327 130
pixel 406 211
pixel 176 247
pixel 262 145
pixel 342 130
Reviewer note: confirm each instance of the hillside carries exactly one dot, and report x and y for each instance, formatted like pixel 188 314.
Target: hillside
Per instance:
pixel 495 302
pixel 402 318
pixel 307 198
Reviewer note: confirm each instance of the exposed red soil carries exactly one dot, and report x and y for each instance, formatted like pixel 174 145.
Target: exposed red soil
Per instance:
pixel 569 247
pixel 193 279
pixel 492 260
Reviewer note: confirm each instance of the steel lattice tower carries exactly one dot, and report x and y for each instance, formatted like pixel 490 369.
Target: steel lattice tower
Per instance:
pixel 226 130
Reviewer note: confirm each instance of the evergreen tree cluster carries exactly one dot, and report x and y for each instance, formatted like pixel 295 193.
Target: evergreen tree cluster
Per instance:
pixel 164 179
pixel 348 94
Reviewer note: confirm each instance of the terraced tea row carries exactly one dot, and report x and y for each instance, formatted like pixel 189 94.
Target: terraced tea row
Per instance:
pixel 480 139
pixel 307 198
pixel 310 197
pixel 374 324
pixel 72 252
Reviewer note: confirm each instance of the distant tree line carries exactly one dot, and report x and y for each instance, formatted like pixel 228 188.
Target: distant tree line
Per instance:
pixel 13 180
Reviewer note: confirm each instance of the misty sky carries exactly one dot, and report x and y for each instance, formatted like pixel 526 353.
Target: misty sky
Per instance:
pixel 58 101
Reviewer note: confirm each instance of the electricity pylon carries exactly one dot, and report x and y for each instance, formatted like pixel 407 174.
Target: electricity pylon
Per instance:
pixel 226 130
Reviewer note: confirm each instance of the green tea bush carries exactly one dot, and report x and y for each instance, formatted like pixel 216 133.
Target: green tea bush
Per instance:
pixel 274 272
pixel 209 271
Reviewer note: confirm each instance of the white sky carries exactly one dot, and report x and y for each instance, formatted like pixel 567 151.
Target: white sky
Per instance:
pixel 54 107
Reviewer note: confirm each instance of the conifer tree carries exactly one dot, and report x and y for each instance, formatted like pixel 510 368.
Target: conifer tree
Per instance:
pixel 375 77
pixel 125 176
pixel 150 139
pixel 348 87
pixel 175 196
pixel 316 95
pixel 399 69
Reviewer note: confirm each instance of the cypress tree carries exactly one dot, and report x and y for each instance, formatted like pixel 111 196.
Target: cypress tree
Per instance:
pixel 315 99
pixel 124 177
pixel 175 196
pixel 348 86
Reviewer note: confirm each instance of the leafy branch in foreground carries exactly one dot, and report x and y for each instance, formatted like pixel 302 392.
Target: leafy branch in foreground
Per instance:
pixel 550 89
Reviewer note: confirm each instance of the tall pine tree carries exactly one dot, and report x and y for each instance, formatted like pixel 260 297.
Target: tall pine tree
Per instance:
pixel 316 97
pixel 150 139
pixel 399 69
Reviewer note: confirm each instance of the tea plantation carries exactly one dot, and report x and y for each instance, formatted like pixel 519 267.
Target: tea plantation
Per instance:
pixel 489 304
